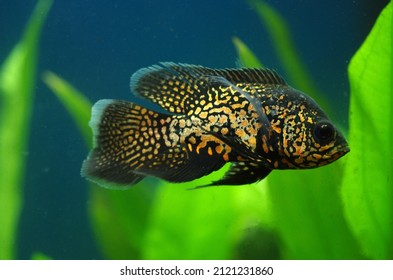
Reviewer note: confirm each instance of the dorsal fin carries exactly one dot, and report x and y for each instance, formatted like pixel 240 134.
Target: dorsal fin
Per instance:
pixel 234 75
pixel 167 85
pixel 174 86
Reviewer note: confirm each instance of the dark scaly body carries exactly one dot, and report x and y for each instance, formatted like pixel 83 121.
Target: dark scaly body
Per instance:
pixel 249 117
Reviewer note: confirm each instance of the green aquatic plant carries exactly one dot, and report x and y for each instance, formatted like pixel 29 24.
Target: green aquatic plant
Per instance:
pixel 203 224
pixel 245 55
pixel 17 82
pixel 367 189
pixel 40 256
pixel 74 101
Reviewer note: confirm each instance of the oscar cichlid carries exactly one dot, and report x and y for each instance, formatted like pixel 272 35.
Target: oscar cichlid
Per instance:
pixel 249 117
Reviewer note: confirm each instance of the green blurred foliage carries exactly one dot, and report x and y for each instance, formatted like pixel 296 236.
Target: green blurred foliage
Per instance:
pixel 368 187
pixel 39 256
pixel 245 55
pixel 17 82
pixel 203 224
pixel 309 214
pixel 74 101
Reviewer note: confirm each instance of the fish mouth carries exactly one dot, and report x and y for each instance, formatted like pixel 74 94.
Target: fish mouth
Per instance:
pixel 336 152
pixel 345 149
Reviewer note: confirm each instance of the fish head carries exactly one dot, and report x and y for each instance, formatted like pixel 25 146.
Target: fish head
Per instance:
pixel 308 137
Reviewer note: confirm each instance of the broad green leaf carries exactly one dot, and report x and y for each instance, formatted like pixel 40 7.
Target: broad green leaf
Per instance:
pixel 280 34
pixel 205 223
pixel 368 187
pixel 17 82
pixel 309 214
pixel 246 56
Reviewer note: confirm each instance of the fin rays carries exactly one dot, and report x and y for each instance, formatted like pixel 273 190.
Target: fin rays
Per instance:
pixel 167 82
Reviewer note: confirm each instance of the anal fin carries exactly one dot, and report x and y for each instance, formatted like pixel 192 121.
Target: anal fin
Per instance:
pixel 242 173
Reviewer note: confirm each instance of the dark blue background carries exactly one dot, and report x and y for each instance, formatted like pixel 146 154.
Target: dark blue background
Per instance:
pixel 97 45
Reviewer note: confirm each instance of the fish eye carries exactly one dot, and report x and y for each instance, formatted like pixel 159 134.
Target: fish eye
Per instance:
pixel 324 132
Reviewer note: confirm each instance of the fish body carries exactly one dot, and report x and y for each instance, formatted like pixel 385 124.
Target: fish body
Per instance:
pixel 249 117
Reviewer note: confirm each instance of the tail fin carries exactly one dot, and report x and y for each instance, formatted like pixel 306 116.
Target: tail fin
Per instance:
pixel 107 162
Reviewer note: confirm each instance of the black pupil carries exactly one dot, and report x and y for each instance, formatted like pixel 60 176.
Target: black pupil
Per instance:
pixel 324 132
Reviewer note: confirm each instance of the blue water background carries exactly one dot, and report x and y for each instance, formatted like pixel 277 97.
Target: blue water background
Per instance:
pixel 97 45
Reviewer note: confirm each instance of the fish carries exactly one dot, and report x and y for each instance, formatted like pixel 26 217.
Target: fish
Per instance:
pixel 187 121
